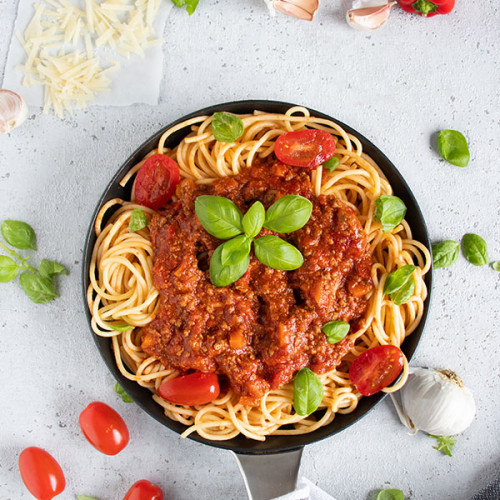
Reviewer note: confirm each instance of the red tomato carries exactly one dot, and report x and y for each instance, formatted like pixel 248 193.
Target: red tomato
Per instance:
pixel 41 474
pixel 104 429
pixel 144 490
pixel 376 368
pixel 193 389
pixel 156 181
pixel 305 148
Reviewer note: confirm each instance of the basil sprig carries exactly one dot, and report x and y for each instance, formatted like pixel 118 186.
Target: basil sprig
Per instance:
pixel 475 249
pixel 390 494
pixel 400 284
pixel 335 331
pixel 227 127
pixel 221 218
pixel 307 392
pixel 445 254
pixel 18 234
pixel 389 211
pixel 453 147
pixel 121 391
pixel 137 221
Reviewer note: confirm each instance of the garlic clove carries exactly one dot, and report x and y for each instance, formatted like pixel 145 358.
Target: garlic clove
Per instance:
pixel 13 111
pixel 369 18
pixel 301 9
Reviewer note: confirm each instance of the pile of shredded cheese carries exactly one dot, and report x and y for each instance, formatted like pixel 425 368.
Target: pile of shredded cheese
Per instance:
pixel 60 43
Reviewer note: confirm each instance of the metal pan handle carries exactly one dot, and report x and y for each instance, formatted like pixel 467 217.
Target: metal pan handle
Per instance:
pixel 270 475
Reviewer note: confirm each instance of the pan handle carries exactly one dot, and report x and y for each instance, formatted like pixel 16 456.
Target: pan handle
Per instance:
pixel 270 475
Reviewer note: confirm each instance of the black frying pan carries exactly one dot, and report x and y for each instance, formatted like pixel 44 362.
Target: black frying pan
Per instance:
pixel 265 476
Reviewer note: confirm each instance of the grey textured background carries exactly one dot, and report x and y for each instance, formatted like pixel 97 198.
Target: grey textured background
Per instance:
pixel 398 86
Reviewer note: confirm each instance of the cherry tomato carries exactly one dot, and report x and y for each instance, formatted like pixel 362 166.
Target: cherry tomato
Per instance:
pixel 305 148
pixel 376 368
pixel 104 429
pixel 41 474
pixel 193 389
pixel 156 181
pixel 144 490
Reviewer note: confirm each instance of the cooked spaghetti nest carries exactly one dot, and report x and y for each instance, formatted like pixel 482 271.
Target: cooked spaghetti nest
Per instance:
pixel 121 295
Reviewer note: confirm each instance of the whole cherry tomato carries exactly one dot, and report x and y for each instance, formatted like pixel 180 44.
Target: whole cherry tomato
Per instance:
pixel 156 181
pixel 104 429
pixel 41 474
pixel 144 490
pixel 376 368
pixel 193 389
pixel 305 148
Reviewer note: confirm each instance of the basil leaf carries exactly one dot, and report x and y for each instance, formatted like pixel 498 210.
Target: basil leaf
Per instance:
pixel 39 289
pixel 190 5
pixel 307 392
pixel 335 331
pixel 444 444
pixel 221 275
pixel 390 494
pixel 289 213
pixel 453 147
pixel 18 234
pixel 495 265
pixel 137 221
pixel 8 269
pixel 398 278
pixel 120 327
pixel 49 268
pixel 219 216
pixel 405 293
pixel 226 127
pixel 475 249
pixel 445 254
pixel 389 211
pixel 235 250
pixel 85 497
pixel 121 391
pixel 254 219
pixel 277 253
pixel 331 164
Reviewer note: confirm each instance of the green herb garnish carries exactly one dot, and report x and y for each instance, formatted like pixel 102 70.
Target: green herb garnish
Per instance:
pixel 18 234
pixel 389 211
pixel 397 279
pixel 495 265
pixel 335 331
pixel 475 249
pixel 289 213
pixel 331 164
pixel 85 497
pixel 189 4
pixel 120 327
pixel 405 293
pixel 227 127
pixel 390 494
pixel 445 254
pixel 121 391
pixel 254 219
pixel 137 221
pixel 219 216
pixel 453 147
pixel 307 392
pixel 445 444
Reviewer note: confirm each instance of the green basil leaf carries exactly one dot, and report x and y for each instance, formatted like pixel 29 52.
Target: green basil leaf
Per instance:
pixel 390 494
pixel 389 211
pixel 444 444
pixel 50 268
pixel 18 234
pixel 39 289
pixel 254 219
pixel 445 254
pixel 221 275
pixel 335 331
pixel 475 249
pixel 277 253
pixel 226 127
pixel 398 278
pixel 137 221
pixel 85 497
pixel 120 327
pixel 307 392
pixel 235 250
pixel 219 216
pixel 289 213
pixel 331 164
pixel 495 265
pixel 405 293
pixel 8 269
pixel 121 391
pixel 453 147
pixel 190 5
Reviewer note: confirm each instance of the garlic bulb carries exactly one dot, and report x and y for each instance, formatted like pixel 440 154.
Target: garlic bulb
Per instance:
pixel 13 111
pixel 436 402
pixel 302 9
pixel 368 15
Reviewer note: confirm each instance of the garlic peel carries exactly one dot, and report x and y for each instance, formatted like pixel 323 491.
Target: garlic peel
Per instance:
pixel 369 17
pixel 13 111
pixel 301 9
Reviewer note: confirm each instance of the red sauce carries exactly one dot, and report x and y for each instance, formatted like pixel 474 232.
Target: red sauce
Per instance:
pixel 260 330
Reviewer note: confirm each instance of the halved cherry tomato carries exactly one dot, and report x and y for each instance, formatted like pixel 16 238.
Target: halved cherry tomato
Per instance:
pixel 193 389
pixel 305 148
pixel 41 473
pixel 376 368
pixel 144 490
pixel 104 429
pixel 156 181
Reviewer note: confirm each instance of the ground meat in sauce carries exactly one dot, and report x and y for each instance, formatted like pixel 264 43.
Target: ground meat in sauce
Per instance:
pixel 262 329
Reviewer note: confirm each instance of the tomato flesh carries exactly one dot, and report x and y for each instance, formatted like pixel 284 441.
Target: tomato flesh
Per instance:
pixel 41 473
pixel 376 368
pixel 104 429
pixel 156 181
pixel 144 490
pixel 193 389
pixel 305 148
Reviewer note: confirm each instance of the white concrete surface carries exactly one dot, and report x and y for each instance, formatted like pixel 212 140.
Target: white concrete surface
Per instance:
pixel 398 86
